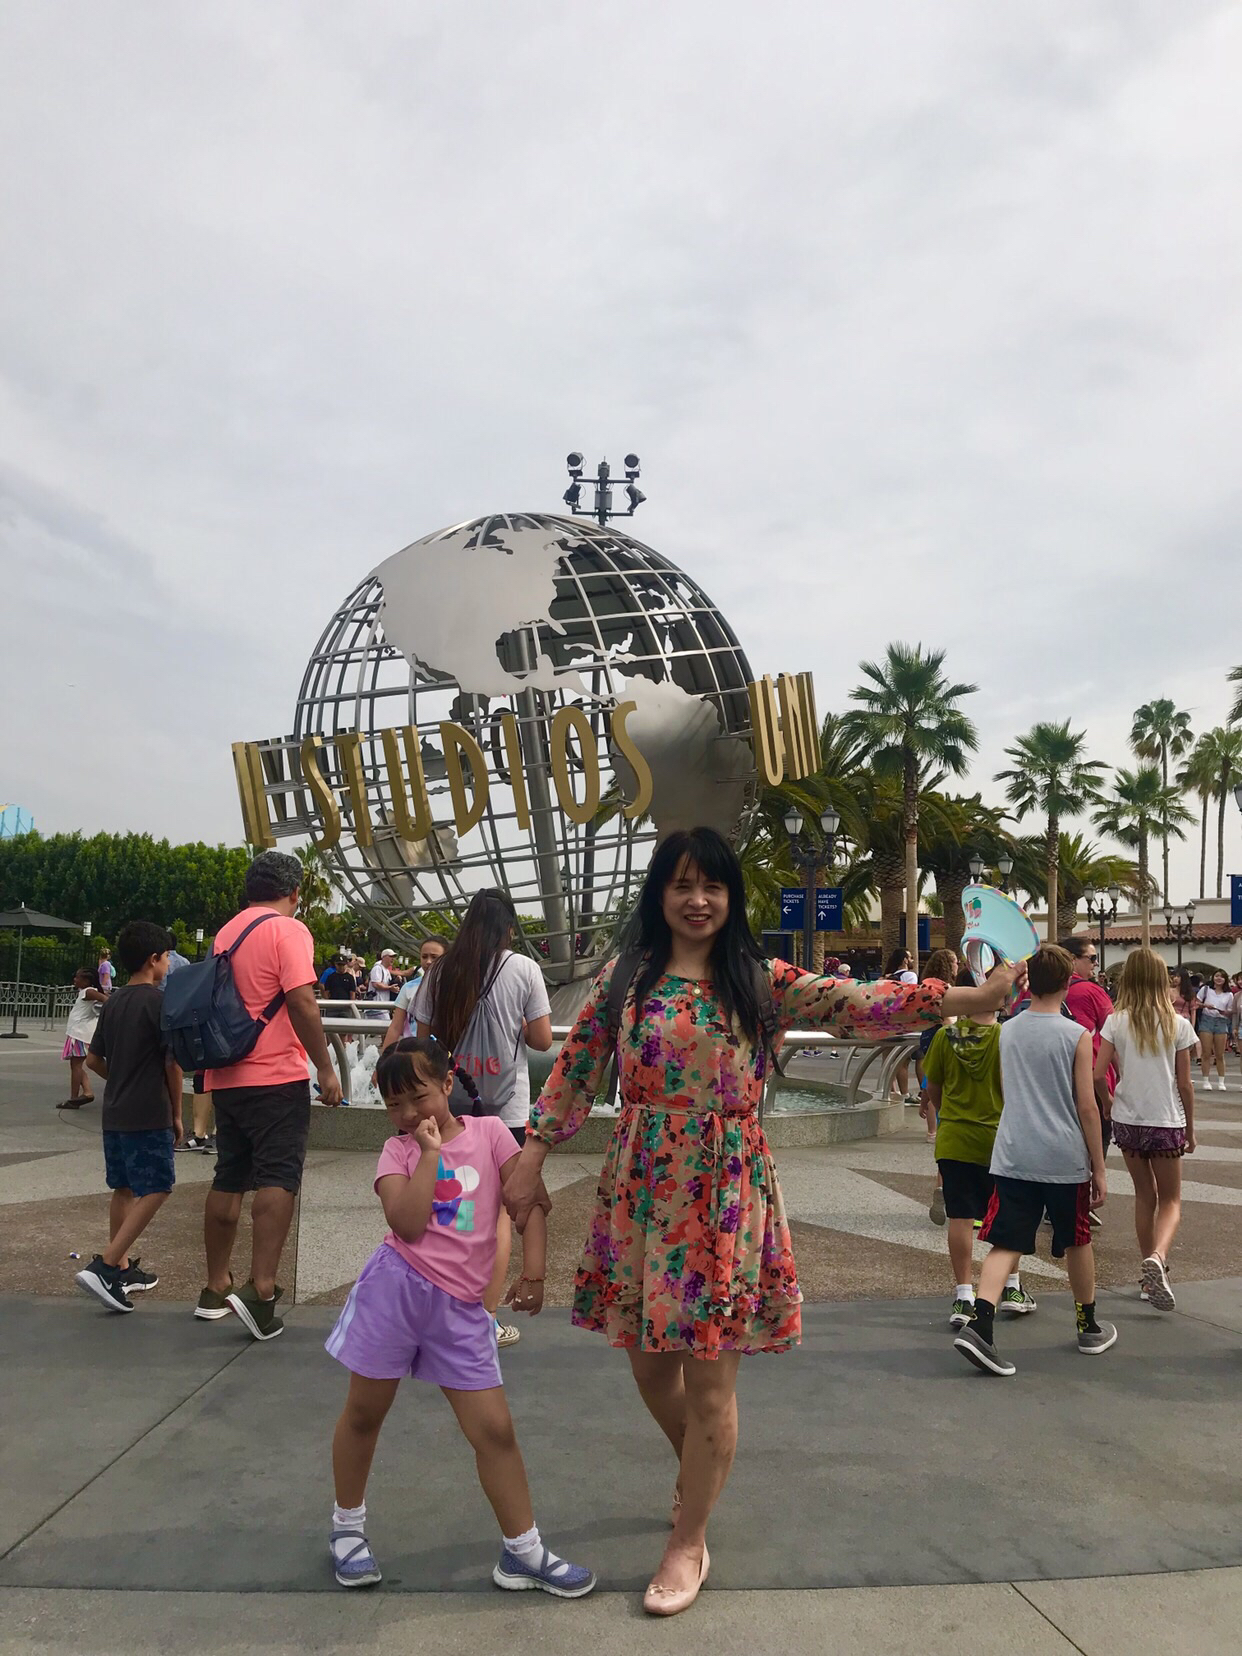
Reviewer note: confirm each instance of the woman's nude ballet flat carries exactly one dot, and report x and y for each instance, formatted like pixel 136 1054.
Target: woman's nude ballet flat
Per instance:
pixel 671 1601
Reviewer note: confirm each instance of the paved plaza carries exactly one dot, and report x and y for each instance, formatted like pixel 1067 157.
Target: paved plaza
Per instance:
pixel 167 1483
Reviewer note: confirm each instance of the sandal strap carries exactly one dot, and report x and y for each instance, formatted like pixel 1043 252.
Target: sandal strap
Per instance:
pixel 362 1545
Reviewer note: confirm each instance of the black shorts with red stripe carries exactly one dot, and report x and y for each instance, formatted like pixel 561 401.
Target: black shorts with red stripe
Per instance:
pixel 1018 1206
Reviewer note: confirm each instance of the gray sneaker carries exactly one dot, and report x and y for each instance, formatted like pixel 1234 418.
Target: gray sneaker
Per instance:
pixel 982 1353
pixel 936 1211
pixel 1156 1289
pixel 1092 1341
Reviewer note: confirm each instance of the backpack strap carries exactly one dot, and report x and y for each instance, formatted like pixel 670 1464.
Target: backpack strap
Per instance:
pixel 767 1011
pixel 274 1005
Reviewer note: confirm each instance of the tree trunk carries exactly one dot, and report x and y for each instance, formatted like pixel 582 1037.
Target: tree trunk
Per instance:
pixel 1067 917
pixel 1220 834
pixel 949 889
pixel 1203 850
pixel 890 920
pixel 1144 881
pixel 1052 851
pixel 910 815
pixel 1164 822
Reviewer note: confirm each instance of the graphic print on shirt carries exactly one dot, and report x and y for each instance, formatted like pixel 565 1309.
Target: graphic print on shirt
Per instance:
pixel 448 1204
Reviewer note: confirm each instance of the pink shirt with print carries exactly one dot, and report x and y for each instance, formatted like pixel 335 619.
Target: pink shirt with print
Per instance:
pixel 458 1249
pixel 279 954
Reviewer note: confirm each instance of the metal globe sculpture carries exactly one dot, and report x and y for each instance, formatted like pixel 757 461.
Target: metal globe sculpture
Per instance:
pixel 500 625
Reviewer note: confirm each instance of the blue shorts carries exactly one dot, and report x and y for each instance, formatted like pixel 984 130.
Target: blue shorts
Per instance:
pixel 141 1162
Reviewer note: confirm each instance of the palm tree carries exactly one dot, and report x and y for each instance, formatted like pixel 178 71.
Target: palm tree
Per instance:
pixel 316 888
pixel 1235 712
pixel 1140 805
pixel 1081 863
pixel 1199 775
pixel 1219 753
pixel 909 721
pixel 1051 775
pixel 1160 731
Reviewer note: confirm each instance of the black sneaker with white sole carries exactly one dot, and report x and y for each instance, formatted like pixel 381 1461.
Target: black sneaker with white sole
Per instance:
pixel 982 1353
pixel 104 1281
pixel 135 1280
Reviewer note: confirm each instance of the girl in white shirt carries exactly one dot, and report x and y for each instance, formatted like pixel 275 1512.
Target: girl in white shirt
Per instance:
pixel 1215 1018
pixel 1152 1108
pixel 83 1016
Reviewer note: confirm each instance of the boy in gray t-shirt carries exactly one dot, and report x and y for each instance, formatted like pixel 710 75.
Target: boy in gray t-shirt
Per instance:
pixel 1048 1157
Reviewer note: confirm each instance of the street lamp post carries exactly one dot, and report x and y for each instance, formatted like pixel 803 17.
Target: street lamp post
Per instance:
pixel 1179 924
pixel 1104 912
pixel 1004 866
pixel 198 942
pixel 807 858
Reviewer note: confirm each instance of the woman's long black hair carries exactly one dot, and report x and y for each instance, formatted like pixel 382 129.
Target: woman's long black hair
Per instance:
pixel 734 947
pixel 897 961
pixel 461 974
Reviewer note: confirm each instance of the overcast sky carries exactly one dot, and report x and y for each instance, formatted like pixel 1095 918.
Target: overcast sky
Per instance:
pixel 924 319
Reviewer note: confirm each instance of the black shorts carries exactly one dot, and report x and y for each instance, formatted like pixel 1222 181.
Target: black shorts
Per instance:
pixel 967 1189
pixel 1018 1206
pixel 261 1135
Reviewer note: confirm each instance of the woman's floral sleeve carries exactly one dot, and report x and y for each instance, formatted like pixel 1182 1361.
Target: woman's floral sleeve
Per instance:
pixel 578 1073
pixel 855 1011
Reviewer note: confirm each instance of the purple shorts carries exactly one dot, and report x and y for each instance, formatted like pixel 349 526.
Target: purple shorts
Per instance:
pixel 1149 1141
pixel 396 1323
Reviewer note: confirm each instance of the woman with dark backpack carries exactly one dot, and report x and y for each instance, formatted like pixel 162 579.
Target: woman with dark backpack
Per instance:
pixel 688 1261
pixel 486 1004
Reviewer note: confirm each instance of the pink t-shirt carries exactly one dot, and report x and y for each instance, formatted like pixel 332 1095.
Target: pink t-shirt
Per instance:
pixel 279 954
pixel 458 1248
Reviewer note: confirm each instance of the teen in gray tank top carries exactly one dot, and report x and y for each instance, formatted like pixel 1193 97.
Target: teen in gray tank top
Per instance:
pixel 1040 1138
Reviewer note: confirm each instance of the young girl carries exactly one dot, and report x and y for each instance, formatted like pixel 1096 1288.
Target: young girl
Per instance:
pixel 688 1263
pixel 83 1016
pixel 1153 1108
pixel 1215 1019
pixel 417 1309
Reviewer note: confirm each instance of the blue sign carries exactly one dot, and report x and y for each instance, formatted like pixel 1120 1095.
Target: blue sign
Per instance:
pixel 1235 899
pixel 829 909
pixel 793 908
pixel 923 934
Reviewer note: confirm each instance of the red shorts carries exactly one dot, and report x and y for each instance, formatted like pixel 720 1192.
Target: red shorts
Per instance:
pixel 1018 1206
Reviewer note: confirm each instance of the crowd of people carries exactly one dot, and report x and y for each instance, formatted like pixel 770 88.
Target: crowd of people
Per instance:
pixel 688 1262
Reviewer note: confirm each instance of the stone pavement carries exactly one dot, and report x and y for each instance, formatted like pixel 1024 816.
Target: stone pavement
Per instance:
pixel 166 1482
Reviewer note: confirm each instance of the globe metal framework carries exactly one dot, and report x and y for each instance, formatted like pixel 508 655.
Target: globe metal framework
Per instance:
pixel 524 614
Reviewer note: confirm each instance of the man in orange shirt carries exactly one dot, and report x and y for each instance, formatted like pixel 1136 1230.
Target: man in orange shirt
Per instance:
pixel 262 1104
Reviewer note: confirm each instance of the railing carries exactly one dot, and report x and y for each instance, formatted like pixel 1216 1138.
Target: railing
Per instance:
pixel 859 1059
pixel 50 1002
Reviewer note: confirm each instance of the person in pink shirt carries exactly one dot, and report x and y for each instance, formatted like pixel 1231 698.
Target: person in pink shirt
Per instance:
pixel 417 1311
pixel 262 1104
pixel 1090 1005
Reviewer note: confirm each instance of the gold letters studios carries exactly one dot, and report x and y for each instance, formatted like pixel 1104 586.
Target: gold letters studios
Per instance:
pixel 784 737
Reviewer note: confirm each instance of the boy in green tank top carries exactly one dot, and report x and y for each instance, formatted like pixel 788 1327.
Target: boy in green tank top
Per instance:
pixel 964 1089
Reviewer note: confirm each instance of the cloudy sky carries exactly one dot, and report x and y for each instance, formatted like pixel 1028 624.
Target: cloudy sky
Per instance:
pixel 924 320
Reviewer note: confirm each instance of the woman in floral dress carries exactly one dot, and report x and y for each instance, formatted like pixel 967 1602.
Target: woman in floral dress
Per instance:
pixel 688 1263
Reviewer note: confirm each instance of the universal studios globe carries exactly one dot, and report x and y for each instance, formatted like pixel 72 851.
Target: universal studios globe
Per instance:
pixel 525 615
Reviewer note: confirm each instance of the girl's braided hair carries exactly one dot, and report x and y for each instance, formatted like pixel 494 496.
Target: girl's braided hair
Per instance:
pixel 415 1059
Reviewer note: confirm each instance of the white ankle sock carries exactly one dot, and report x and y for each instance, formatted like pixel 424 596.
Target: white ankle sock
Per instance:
pixel 1015 1281
pixel 354 1518
pixel 965 1292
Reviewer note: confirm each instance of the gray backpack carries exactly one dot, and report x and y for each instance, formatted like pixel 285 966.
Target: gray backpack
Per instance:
pixel 489 1054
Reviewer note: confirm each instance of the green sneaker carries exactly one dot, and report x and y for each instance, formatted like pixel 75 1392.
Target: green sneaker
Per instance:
pixel 963 1312
pixel 259 1315
pixel 212 1306
pixel 1017 1302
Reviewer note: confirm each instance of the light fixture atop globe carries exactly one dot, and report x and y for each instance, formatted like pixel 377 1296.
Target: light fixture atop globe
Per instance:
pixel 498 625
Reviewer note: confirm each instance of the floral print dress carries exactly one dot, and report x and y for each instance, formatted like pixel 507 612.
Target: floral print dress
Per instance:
pixel 689 1247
